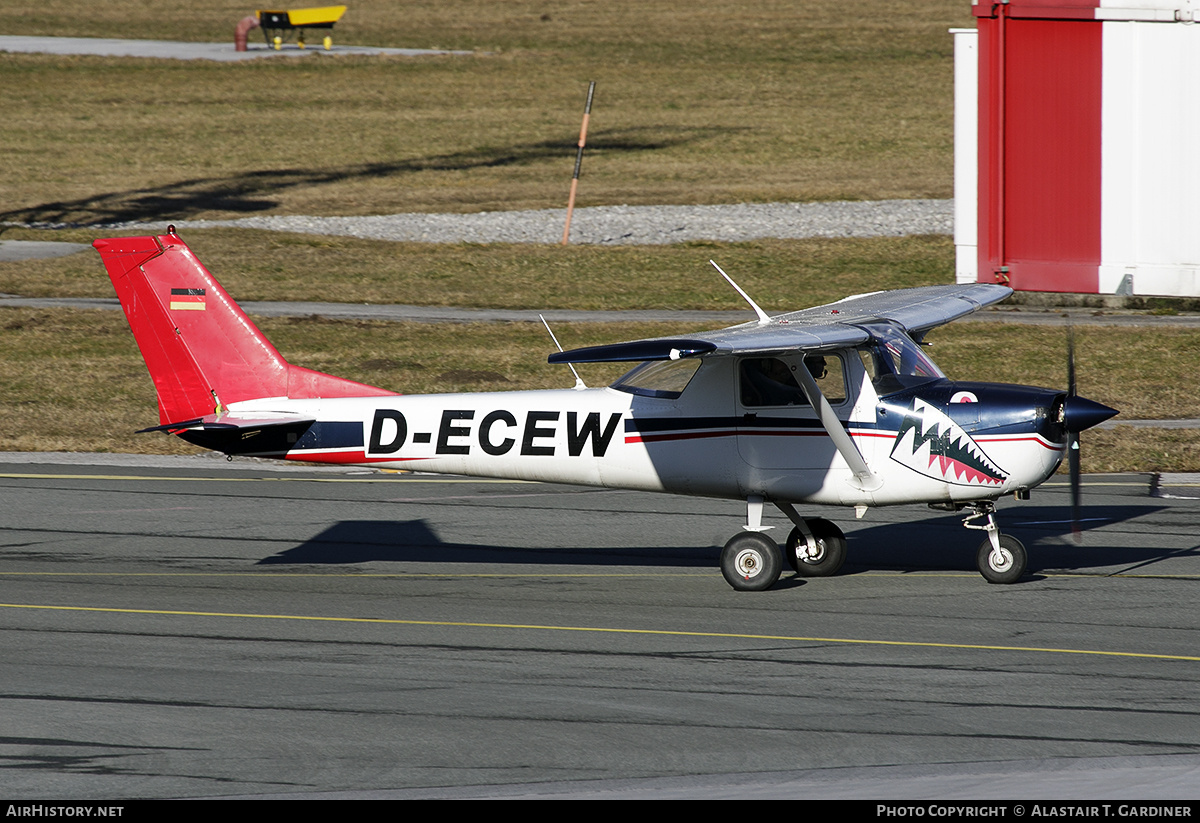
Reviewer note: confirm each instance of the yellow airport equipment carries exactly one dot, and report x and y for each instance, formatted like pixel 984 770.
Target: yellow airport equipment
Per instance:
pixel 277 25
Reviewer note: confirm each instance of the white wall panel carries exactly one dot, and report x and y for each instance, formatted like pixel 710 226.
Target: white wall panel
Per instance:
pixel 966 154
pixel 1150 209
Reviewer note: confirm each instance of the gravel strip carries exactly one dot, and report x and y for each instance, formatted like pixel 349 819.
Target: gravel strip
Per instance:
pixel 623 225
pixel 172 50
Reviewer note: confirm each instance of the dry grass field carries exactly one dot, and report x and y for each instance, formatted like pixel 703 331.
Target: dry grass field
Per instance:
pixel 261 265
pixel 76 382
pixel 697 102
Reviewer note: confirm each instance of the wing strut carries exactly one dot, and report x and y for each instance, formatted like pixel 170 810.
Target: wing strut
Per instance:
pixel 866 479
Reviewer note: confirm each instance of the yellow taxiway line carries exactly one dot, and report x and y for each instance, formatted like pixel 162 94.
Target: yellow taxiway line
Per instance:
pixel 608 630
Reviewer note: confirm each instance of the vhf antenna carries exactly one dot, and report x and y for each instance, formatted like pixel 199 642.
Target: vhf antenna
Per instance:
pixel 579 384
pixel 763 317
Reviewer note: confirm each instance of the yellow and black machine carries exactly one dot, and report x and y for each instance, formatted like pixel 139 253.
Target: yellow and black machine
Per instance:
pixel 278 26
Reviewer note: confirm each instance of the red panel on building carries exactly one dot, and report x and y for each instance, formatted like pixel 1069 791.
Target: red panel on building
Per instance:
pixel 1039 160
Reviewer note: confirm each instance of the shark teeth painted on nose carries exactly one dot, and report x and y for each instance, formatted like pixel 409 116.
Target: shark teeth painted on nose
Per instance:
pixel 932 444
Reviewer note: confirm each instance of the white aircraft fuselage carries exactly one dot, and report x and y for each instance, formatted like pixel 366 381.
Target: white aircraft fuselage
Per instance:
pixel 704 443
pixel 834 405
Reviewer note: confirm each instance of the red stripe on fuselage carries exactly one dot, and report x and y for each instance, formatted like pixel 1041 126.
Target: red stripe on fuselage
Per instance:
pixel 654 438
pixel 344 457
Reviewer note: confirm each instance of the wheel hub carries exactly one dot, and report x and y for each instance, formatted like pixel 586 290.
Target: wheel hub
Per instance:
pixel 748 563
pixel 1000 561
pixel 811 555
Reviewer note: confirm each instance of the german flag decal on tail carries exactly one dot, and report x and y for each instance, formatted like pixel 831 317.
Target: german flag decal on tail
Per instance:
pixel 187 299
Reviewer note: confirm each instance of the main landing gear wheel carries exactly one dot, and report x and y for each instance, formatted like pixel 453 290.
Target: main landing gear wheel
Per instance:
pixel 751 562
pixel 831 549
pixel 1008 567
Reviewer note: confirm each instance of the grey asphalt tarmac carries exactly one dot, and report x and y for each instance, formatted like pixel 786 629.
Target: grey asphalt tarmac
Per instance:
pixel 179 627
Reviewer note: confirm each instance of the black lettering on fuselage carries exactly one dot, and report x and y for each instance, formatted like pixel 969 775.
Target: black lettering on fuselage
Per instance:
pixel 485 428
pixel 590 430
pixel 393 445
pixel 448 430
pixel 534 431
pixel 497 432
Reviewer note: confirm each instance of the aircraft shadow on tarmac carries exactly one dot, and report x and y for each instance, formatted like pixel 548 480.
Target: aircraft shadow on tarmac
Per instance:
pixel 939 543
pixel 413 541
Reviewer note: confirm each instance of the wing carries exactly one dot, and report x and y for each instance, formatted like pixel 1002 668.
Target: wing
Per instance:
pixel 832 326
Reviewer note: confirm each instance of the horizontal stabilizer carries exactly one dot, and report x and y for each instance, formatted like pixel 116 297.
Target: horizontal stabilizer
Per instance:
pixel 264 434
pixel 228 422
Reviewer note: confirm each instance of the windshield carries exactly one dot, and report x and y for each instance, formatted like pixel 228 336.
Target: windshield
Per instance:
pixel 894 361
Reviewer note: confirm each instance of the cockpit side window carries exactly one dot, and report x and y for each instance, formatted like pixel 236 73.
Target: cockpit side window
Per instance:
pixel 771 381
pixel 659 378
pixel 868 360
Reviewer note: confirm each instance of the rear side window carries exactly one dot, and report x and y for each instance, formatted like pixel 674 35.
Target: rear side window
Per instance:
pixel 659 378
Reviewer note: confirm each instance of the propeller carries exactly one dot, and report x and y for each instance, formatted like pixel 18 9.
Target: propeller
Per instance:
pixel 1072 440
pixel 1078 413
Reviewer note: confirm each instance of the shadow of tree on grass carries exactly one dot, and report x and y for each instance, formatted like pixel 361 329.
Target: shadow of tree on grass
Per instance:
pixel 257 191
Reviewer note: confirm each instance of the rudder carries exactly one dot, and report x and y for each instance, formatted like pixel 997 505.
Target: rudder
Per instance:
pixel 201 349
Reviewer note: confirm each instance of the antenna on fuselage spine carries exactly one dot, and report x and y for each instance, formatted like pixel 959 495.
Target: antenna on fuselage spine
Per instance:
pixel 579 384
pixel 763 317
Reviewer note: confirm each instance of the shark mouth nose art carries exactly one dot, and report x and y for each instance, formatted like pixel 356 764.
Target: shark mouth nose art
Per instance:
pixel 932 444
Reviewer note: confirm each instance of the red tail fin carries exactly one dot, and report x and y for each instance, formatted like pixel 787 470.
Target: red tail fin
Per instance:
pixel 200 347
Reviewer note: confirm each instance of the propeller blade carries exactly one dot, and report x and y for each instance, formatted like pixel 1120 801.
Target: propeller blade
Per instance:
pixel 1072 438
pixel 1078 413
pixel 1071 361
pixel 1073 468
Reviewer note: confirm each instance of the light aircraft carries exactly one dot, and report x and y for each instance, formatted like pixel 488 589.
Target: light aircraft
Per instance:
pixel 834 405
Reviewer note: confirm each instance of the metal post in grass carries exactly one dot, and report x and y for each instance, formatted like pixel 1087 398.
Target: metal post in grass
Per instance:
pixel 587 113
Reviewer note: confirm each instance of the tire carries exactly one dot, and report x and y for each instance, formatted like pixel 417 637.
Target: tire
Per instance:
pixel 1009 571
pixel 831 544
pixel 751 562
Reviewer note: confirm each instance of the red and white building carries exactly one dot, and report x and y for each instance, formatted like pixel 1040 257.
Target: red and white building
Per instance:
pixel 1077 146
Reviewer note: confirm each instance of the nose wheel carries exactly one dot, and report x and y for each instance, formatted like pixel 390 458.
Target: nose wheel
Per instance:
pixel 1005 565
pixel 1001 558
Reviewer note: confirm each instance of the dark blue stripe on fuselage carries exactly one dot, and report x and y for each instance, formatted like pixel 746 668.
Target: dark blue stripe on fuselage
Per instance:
pixel 1001 409
pixel 331 435
pixel 654 425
